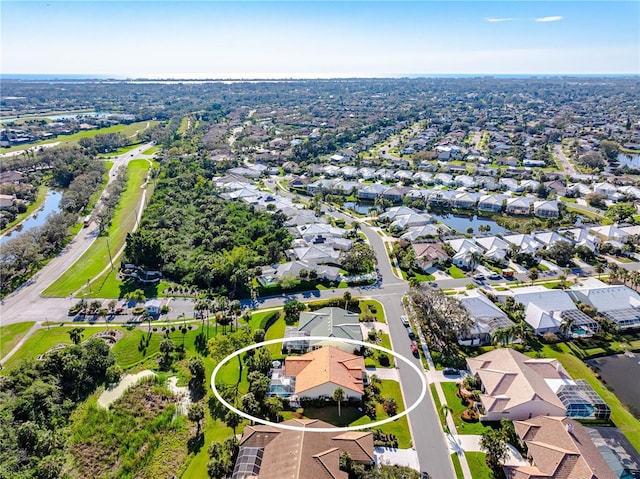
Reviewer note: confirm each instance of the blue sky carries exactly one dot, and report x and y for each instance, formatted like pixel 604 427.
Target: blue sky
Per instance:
pixel 265 39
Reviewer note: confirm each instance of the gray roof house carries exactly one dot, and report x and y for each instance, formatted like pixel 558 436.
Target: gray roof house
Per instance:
pixel 546 209
pixel 486 316
pixel 328 322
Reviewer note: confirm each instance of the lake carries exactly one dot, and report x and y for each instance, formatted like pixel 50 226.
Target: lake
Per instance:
pixel 632 161
pixel 360 208
pixel 51 205
pixel 462 223
pixel 61 116
pixel 621 372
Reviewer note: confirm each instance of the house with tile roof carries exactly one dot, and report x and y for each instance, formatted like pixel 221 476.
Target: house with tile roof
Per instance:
pixel 320 372
pixel 268 452
pixel 515 386
pixel 558 447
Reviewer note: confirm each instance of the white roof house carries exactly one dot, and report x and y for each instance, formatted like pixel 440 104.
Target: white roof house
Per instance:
pixel 424 231
pixel 495 248
pixel 396 212
pixel 548 238
pixel 546 209
pixel 616 303
pixel 464 249
pixel 630 190
pixel 547 309
pixel 609 232
pixel 315 254
pixel 527 243
pixel 606 189
pixel 582 237
pixel 519 205
pixel 511 184
pixel 491 202
pixel 414 219
pixel 444 178
pixel 487 317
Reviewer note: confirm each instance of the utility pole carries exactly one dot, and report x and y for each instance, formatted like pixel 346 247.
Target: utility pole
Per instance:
pixel 110 258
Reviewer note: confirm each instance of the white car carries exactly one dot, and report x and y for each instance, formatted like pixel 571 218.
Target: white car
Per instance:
pixel 404 320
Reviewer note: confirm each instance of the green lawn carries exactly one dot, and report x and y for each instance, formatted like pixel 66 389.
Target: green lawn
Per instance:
pixel 10 336
pixel 455 403
pixel 456 272
pixel 97 257
pixel 365 308
pixel 37 203
pixel 456 466
pixel 126 130
pixel 373 361
pixel 478 466
pixel 43 340
pixel 622 418
pixel 151 151
pixel 274 332
pixel 438 404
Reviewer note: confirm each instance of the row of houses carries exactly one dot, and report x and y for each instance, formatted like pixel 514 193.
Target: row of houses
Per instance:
pixel 553 311
pixel 611 192
pixel 497 248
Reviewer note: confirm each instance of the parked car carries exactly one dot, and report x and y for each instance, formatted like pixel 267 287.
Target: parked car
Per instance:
pixel 494 275
pixel 478 277
pixel 414 348
pixel 405 321
pixel 411 333
pixel 450 372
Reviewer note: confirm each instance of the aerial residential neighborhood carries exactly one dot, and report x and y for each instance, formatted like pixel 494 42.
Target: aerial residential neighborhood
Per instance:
pixel 293 276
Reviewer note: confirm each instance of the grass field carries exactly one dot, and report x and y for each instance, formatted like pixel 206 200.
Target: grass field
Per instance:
pixel 478 466
pixel 42 341
pixel 10 336
pixel 126 130
pixel 456 272
pixel 456 466
pixel 42 194
pixel 97 257
pixel 151 151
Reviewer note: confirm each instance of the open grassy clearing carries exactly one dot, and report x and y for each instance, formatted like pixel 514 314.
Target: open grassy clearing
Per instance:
pixel 42 194
pixel 97 257
pixel 11 334
pixel 43 340
pixel 127 130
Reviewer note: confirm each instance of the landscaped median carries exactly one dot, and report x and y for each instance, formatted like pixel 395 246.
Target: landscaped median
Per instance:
pixel 97 257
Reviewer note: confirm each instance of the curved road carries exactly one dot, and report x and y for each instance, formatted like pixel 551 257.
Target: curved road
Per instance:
pixel 25 304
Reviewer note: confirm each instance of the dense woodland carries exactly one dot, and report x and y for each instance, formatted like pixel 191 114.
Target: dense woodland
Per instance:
pixel 36 401
pixel 196 238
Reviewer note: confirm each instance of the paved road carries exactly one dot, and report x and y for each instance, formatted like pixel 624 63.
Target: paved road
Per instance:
pixel 25 304
pixel 564 162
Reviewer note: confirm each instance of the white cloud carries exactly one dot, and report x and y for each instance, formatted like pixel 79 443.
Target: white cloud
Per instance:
pixel 548 19
pixel 497 20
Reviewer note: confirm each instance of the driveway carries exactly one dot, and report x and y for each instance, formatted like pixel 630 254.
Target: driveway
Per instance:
pixel 400 457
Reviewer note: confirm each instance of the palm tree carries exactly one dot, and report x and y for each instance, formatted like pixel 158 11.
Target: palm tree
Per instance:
pixel 338 396
pixel 500 336
pixel 614 272
pixel 566 325
pixel 600 268
pixel 76 335
pixel 533 274
pixel 414 282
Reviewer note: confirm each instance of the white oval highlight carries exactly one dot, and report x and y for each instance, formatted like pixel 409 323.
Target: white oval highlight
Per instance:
pixel 407 410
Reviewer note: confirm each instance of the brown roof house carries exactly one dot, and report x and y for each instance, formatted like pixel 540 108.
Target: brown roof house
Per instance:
pixel 518 387
pixel 320 372
pixel 558 447
pixel 428 254
pixel 268 452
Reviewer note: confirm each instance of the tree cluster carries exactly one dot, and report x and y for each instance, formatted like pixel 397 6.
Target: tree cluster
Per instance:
pixel 196 238
pixel 36 401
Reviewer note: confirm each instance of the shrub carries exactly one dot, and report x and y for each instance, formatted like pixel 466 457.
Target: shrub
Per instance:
pixel 383 359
